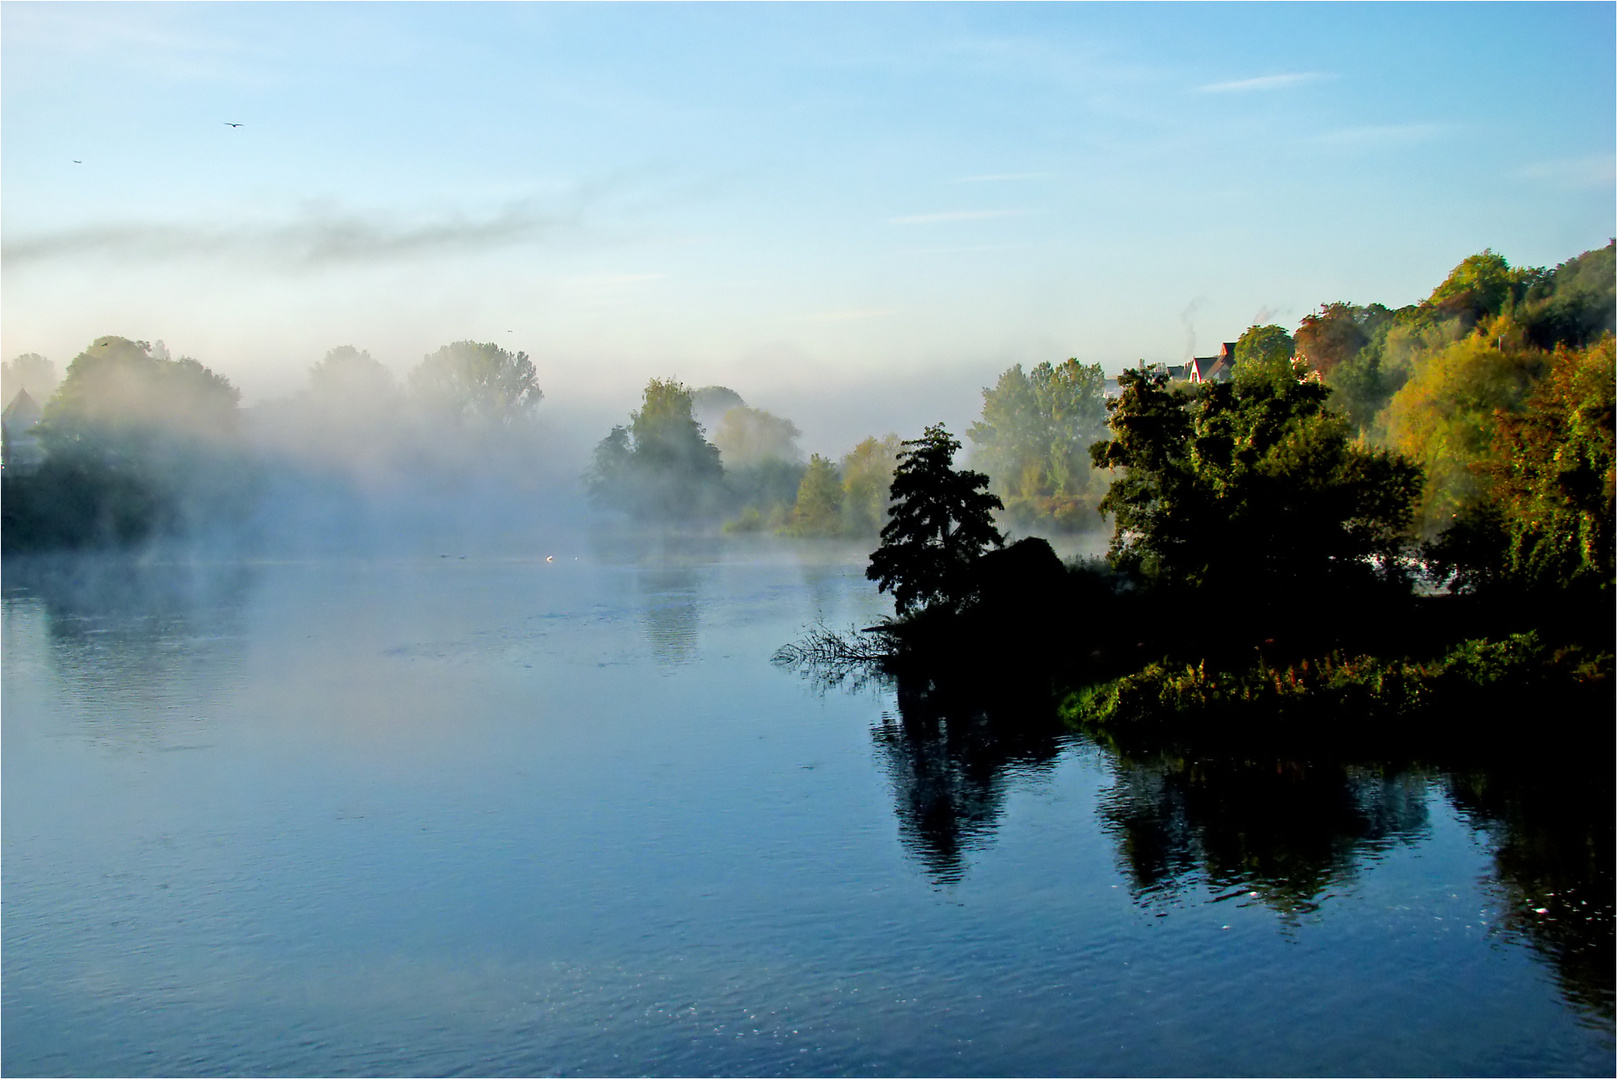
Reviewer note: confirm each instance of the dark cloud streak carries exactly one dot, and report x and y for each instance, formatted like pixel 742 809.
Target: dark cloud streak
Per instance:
pixel 316 240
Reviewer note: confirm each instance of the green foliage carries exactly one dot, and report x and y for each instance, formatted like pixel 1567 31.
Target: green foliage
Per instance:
pixel 1575 303
pixel 1482 285
pixel 660 466
pixel 750 520
pixel 941 520
pixel 477 384
pixel 1333 690
pixel 135 444
pixel 1544 516
pixel 1516 309
pixel 766 489
pixel 1034 439
pixel 1363 384
pixel 751 436
pixel 867 477
pixel 819 507
pixel 1443 417
pixel 1264 355
pixel 1250 489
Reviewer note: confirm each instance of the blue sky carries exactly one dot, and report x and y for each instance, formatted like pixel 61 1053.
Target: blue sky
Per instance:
pixel 856 215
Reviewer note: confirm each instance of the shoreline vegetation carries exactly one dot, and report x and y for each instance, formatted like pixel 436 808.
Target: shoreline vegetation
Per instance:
pixel 1401 543
pixel 1388 515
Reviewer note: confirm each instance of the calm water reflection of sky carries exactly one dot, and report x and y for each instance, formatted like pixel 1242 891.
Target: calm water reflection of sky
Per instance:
pixel 425 815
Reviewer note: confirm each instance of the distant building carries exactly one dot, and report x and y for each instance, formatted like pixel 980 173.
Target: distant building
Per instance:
pixel 20 451
pixel 1201 369
pixel 1174 372
pixel 1218 368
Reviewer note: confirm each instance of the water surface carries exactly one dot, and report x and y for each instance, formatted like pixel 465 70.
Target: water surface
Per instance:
pixel 427 814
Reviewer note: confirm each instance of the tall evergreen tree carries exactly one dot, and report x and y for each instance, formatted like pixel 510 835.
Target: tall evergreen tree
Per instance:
pixel 941 520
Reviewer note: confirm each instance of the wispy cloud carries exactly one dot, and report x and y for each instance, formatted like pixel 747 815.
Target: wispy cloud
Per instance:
pixel 126 37
pixel 973 248
pixel 996 177
pixel 610 281
pixel 1573 173
pixel 956 215
pixel 316 239
pixel 852 314
pixel 1375 136
pixel 1262 82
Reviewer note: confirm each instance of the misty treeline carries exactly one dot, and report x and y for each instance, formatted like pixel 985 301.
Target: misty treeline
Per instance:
pixel 1492 386
pixel 751 475
pixel 703 454
pixel 134 445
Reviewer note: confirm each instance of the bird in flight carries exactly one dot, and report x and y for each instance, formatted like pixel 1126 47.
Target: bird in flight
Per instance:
pixel 76 161
pixel 229 124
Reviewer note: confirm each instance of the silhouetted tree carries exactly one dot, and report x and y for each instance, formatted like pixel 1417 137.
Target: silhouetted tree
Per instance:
pixel 941 520
pixel 1254 490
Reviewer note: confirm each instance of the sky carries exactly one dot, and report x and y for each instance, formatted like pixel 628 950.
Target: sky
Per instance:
pixel 854 215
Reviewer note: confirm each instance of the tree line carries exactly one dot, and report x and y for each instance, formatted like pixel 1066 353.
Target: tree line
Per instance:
pixel 751 476
pixel 1491 387
pixel 1274 558
pixel 137 444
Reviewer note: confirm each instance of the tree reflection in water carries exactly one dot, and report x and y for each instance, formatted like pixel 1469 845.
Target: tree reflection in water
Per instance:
pixel 672 567
pixel 1286 831
pixel 671 610
pixel 1553 862
pixel 951 760
pixel 141 638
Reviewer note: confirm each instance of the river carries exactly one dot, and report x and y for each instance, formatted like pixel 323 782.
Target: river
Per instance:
pixel 557 813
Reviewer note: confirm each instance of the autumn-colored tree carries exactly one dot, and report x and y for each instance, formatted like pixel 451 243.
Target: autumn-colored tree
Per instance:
pixel 1543 518
pixel 1444 416
pixel 1336 333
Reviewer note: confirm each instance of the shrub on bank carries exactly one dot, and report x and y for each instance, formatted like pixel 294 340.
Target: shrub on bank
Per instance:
pixel 1354 690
